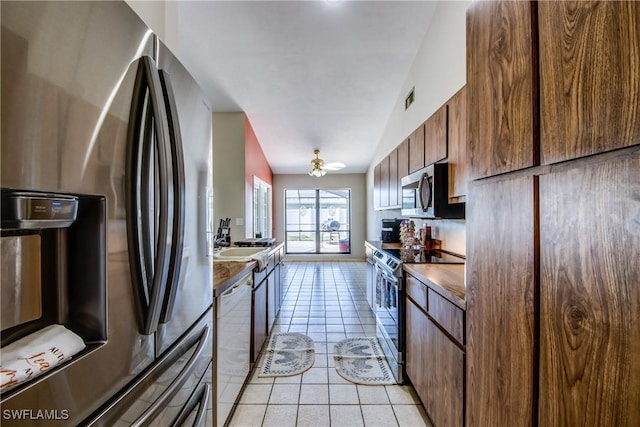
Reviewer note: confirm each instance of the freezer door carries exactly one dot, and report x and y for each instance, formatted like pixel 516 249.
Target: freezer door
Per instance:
pixel 169 389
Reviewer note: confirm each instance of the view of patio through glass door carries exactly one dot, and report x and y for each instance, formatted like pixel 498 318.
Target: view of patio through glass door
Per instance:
pixel 318 221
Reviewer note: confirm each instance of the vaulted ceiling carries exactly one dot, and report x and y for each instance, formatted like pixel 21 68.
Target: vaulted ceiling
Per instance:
pixel 308 74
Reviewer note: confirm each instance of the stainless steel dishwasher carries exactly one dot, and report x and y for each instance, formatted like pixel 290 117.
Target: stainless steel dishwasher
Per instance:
pixel 233 344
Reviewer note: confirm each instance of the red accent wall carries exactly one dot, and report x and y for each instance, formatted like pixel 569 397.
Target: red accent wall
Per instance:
pixel 255 164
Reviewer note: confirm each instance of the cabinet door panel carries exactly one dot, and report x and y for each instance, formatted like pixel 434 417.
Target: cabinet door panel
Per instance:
pixel 435 136
pixel 589 77
pixel 416 149
pixel 457 144
pixel 259 323
pixel 445 373
pixel 500 90
pixel 393 178
pixel 500 302
pixel 377 185
pixel 590 295
pixel 403 160
pixel 384 182
pixel 416 352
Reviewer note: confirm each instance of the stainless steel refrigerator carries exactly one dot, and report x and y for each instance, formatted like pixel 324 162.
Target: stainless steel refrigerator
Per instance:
pixel 95 108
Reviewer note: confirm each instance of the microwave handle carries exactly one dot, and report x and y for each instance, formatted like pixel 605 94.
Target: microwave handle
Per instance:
pixel 423 205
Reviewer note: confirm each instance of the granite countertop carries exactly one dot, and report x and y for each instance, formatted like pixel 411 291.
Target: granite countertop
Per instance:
pixel 446 279
pixel 227 273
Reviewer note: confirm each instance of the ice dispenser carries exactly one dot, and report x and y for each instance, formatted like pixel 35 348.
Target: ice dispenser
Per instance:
pixel 53 267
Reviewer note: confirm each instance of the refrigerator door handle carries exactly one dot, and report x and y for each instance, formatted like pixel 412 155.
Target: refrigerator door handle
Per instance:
pixel 148 277
pixel 201 398
pixel 149 414
pixel 179 199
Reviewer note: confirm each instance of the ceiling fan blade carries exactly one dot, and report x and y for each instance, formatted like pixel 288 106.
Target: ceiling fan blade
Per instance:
pixel 334 166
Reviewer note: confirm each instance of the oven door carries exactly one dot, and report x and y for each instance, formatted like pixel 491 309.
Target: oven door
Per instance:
pixel 389 319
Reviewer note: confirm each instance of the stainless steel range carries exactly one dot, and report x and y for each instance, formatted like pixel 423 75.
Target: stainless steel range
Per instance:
pixel 390 298
pixel 389 307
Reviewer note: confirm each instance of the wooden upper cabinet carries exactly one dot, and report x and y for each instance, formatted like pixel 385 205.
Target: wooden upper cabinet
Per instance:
pixel 589 295
pixel 589 77
pixel 376 185
pixel 457 144
pixel 393 178
pixel 403 163
pixel 435 136
pixel 384 182
pixel 501 303
pixel 416 149
pixel 500 87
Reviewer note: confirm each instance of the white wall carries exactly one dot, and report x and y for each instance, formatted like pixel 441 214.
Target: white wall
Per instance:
pixel 356 182
pixel 228 170
pixel 437 73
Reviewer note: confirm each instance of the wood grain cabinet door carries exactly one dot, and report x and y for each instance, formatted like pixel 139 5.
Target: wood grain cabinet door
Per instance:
pixel 416 149
pixel 435 136
pixel 589 77
pixel 393 178
pixel 457 144
pixel 384 183
pixel 416 352
pixel 590 295
pixel 500 87
pixel 500 302
pixel 435 366
pixel 377 178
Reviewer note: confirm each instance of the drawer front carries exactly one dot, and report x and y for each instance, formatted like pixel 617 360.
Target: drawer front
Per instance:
pixel 417 291
pixel 450 317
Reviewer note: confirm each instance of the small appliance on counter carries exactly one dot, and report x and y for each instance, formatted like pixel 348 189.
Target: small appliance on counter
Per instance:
pixel 262 241
pixel 390 230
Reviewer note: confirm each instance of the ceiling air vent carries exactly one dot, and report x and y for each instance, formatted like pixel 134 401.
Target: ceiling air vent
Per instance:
pixel 410 98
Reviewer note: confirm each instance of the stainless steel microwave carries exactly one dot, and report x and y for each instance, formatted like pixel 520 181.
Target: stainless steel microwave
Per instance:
pixel 425 194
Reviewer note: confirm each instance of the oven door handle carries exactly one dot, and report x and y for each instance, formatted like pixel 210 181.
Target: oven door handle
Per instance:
pixel 386 275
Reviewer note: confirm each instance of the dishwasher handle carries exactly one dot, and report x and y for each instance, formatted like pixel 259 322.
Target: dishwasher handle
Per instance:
pixel 246 281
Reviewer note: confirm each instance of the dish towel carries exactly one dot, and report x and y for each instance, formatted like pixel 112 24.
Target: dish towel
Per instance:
pixel 262 258
pixel 37 353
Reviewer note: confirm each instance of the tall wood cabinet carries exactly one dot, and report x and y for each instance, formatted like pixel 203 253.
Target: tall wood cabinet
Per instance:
pixel 500 302
pixel 589 77
pixel 552 89
pixel 500 87
pixel 590 295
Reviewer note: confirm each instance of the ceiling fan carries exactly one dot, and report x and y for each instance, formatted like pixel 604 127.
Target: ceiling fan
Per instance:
pixel 320 168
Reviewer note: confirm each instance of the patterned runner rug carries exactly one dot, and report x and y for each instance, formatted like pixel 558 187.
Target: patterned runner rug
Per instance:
pixel 361 361
pixel 288 353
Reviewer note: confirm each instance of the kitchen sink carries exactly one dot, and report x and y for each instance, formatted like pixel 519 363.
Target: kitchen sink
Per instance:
pixel 235 253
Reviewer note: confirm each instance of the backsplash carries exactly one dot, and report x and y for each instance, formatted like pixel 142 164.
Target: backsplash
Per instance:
pixel 452 233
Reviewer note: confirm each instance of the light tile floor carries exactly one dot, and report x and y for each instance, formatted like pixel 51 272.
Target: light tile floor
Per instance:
pixel 327 302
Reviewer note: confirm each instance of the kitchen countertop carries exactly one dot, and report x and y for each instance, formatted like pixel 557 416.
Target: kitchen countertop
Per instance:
pixel 227 273
pixel 446 279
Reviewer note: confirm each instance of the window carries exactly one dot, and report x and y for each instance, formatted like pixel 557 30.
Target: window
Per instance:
pixel 318 221
pixel 261 208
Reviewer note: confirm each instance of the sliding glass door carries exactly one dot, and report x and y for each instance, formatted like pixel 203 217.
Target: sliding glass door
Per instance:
pixel 318 221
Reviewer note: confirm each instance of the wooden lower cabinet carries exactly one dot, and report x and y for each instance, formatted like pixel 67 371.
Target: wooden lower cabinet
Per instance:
pixel 259 319
pixel 435 366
